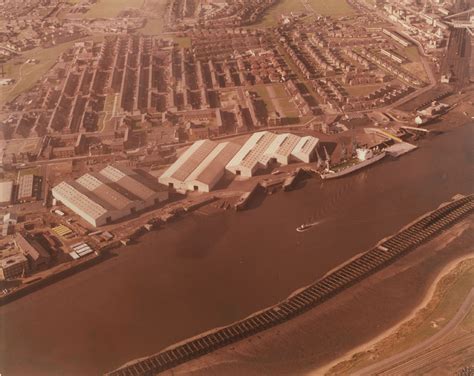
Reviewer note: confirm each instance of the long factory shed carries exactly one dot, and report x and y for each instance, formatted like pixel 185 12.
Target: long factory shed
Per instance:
pixel 205 162
pixel 113 193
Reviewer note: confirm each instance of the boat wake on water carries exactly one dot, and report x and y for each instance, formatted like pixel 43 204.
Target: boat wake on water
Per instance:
pixel 306 226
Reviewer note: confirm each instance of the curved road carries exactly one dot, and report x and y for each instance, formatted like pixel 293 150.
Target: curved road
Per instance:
pixel 424 347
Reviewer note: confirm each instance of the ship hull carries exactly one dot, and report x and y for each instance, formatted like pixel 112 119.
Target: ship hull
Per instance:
pixel 354 168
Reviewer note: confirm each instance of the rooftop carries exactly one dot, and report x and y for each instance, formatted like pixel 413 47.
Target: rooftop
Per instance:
pixel 25 188
pixel 98 185
pixel 75 195
pixel 128 180
pixel 11 260
pixel 6 187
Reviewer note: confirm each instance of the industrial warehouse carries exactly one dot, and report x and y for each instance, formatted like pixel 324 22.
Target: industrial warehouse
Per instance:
pixel 262 148
pixel 205 162
pixel 200 167
pixel 112 193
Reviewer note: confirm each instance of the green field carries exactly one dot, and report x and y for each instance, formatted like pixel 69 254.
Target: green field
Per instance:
pixel 411 52
pixel 153 26
pixel 332 7
pixel 111 8
pixel 323 7
pixel 276 101
pixel 153 10
pixel 415 66
pixel 184 42
pixel 155 17
pixel 262 92
pixel 361 90
pixel 109 103
pixel 26 75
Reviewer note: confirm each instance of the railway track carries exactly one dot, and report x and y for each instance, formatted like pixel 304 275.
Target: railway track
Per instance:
pixel 347 275
pixel 436 354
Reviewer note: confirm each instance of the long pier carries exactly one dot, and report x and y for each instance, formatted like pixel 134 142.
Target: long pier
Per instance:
pixel 383 254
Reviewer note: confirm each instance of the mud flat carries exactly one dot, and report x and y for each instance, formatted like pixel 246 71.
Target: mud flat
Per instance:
pixel 384 253
pixel 350 319
pixel 402 336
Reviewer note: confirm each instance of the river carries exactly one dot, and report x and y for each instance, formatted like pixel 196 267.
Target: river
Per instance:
pixel 206 271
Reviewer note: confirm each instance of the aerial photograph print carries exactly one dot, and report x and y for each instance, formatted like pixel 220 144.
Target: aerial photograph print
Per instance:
pixel 237 187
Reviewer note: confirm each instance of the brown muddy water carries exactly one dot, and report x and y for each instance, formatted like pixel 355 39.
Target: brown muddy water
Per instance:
pixel 206 271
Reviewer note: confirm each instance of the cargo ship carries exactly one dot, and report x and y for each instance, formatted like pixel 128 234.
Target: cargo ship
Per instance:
pixel 364 158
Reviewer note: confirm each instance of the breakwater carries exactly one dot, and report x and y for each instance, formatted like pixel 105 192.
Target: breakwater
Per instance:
pixel 383 254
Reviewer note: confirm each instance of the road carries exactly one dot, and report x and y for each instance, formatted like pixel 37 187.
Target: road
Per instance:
pixel 20 77
pixel 426 351
pixel 423 60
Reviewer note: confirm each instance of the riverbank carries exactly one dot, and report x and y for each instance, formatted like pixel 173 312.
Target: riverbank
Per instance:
pixel 384 253
pixel 313 339
pixel 206 271
pixel 131 230
pixel 52 276
pixel 392 340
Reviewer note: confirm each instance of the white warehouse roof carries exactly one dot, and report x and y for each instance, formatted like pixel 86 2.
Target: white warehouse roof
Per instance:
pixel 305 147
pixel 73 196
pixel 252 154
pixel 189 160
pixel 200 167
pixel 111 194
pixel 214 164
pixel 203 164
pixel 129 180
pixel 263 146
pixel 100 188
pixel 282 147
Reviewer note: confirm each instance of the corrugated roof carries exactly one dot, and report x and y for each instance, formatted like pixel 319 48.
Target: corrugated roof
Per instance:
pixel 214 164
pixel 75 194
pixel 246 149
pixel 99 187
pixel 128 180
pixel 257 154
pixel 283 145
pixel 6 188
pixel 25 186
pixel 305 146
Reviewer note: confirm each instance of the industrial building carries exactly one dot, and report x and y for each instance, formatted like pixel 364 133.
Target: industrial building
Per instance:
pixel 393 55
pixel 396 37
pixel 251 155
pixel 262 148
pixel 6 189
pixel 205 162
pixel 13 266
pixel 113 193
pixel 36 254
pixel 29 187
pixel 200 167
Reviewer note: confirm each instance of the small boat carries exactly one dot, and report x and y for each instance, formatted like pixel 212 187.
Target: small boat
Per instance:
pixel 306 226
